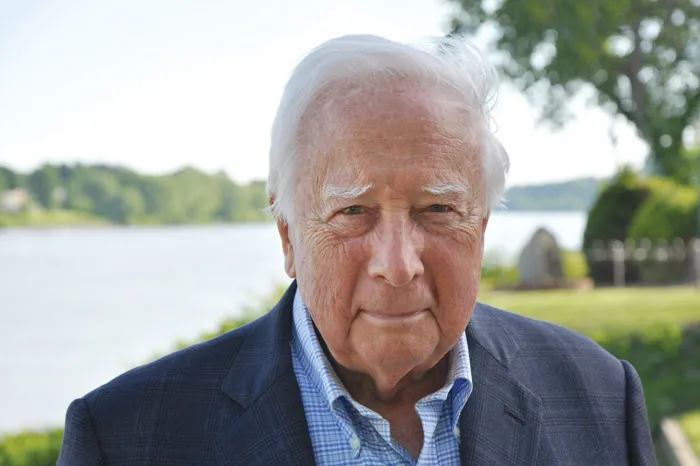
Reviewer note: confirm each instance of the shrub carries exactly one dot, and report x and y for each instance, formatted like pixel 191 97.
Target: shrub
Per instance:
pixel 575 266
pixel 670 212
pixel 611 216
pixel 610 219
pixel 499 276
pixel 31 448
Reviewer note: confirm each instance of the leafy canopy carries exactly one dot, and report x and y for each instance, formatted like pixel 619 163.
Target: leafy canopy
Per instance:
pixel 642 58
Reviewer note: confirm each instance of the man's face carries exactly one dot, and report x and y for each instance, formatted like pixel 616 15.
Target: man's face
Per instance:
pixel 387 240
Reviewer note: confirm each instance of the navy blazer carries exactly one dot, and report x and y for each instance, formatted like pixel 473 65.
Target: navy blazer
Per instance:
pixel 543 395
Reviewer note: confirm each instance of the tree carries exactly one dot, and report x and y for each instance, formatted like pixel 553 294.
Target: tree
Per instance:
pixel 12 179
pixel 43 183
pixel 124 208
pixel 642 57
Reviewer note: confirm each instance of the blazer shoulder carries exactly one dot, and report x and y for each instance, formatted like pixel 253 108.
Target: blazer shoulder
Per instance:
pixel 538 338
pixel 548 358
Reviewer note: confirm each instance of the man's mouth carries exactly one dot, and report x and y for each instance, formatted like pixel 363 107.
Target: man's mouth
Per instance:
pixel 383 316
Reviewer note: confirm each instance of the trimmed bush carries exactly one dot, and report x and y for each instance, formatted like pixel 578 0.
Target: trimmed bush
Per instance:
pixel 610 218
pixel 670 212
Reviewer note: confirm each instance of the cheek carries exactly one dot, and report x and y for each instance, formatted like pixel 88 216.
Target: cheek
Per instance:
pixel 330 271
pixel 455 265
pixel 328 257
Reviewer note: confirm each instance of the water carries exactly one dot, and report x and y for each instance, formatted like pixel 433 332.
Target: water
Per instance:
pixel 80 306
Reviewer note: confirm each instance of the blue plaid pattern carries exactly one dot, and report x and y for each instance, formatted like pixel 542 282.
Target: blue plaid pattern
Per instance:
pixel 344 432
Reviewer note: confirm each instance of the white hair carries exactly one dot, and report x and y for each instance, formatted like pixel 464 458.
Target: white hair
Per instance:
pixel 448 62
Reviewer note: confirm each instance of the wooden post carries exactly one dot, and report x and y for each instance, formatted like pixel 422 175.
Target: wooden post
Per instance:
pixel 676 445
pixel 694 250
pixel 618 260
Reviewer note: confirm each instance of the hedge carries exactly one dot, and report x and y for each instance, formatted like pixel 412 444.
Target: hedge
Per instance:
pixel 670 212
pixel 610 218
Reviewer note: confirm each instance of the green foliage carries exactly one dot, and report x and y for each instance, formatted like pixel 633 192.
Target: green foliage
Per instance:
pixel 121 196
pixel 690 422
pixel 43 183
pixel 49 218
pixel 576 195
pixel 611 217
pixel 670 212
pixel 640 57
pixel 31 448
pixel 497 276
pixel 575 266
pixel 10 179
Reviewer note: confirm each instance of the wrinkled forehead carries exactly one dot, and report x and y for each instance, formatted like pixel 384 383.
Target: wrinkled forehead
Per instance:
pixel 380 107
pixel 396 118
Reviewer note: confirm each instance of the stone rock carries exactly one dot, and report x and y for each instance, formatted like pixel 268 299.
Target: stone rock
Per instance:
pixel 540 262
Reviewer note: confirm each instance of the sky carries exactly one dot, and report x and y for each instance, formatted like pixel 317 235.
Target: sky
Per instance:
pixel 163 84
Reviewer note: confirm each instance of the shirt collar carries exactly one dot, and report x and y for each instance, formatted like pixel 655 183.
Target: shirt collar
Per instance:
pixel 309 349
pixel 327 382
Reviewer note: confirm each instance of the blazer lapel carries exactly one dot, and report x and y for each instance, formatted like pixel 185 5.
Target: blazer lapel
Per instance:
pixel 501 421
pixel 273 428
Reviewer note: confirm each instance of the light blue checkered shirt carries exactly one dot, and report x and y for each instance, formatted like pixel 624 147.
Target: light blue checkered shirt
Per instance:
pixel 344 432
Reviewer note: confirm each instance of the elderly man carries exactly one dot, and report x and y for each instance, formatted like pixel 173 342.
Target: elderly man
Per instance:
pixel 383 170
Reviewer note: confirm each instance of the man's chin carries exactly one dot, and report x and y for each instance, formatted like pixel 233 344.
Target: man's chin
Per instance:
pixel 394 354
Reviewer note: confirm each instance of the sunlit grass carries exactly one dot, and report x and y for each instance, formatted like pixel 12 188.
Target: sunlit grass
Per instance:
pixel 609 308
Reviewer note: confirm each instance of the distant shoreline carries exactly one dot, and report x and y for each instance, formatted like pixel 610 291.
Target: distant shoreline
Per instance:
pixel 96 223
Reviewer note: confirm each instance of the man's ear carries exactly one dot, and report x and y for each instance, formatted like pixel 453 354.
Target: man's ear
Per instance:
pixel 287 247
pixel 484 224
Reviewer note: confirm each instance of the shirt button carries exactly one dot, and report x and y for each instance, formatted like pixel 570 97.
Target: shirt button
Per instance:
pixel 458 432
pixel 355 443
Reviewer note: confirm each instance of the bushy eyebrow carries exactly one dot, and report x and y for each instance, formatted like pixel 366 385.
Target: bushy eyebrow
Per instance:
pixel 446 189
pixel 334 192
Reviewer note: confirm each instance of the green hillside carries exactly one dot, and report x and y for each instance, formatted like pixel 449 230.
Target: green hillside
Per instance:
pixel 574 195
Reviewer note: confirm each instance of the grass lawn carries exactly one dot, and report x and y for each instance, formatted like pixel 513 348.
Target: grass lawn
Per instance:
pixel 627 309
pixel 690 423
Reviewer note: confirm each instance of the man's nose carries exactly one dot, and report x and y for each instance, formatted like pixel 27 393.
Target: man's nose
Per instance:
pixel 396 251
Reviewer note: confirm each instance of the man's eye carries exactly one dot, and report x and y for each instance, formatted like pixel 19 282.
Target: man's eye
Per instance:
pixel 353 210
pixel 439 208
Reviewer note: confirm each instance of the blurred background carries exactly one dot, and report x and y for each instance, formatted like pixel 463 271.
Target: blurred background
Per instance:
pixel 133 157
